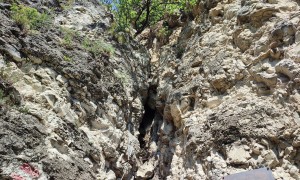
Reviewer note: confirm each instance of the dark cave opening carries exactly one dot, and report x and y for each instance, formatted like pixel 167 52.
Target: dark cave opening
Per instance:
pixel 148 117
pixel 146 123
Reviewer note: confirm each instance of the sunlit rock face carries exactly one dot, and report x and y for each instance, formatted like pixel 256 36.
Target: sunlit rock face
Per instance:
pixel 216 96
pixel 227 91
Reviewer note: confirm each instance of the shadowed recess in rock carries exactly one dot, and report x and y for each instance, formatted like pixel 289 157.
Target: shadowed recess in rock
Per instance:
pixel 146 123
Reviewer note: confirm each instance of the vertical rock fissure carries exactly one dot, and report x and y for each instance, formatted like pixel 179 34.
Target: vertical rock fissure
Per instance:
pixel 148 117
pixel 146 123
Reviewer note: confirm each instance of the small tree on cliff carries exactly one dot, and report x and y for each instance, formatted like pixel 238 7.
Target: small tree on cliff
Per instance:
pixel 143 13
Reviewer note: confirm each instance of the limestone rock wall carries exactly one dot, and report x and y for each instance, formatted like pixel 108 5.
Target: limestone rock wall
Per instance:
pixel 66 112
pixel 227 91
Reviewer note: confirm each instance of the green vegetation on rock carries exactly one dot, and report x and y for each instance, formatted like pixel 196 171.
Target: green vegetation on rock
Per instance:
pixel 66 4
pixel 68 37
pixel 67 58
pixel 98 47
pixel 29 18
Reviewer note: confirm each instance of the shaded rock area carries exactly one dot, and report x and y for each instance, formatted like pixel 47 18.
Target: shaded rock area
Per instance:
pixel 217 95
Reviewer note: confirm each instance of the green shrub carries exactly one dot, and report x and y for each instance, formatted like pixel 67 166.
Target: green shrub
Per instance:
pixel 23 109
pixel 66 4
pixel 98 47
pixel 67 58
pixel 163 32
pixel 29 18
pixel 68 37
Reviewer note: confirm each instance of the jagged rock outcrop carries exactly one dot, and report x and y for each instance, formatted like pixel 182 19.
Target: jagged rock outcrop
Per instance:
pixel 216 95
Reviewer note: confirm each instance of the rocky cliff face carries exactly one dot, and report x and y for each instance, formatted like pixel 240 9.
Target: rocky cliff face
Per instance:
pixel 227 91
pixel 217 95
pixel 66 112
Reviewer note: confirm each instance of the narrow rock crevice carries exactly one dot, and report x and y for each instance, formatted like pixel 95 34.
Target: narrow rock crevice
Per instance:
pixel 148 117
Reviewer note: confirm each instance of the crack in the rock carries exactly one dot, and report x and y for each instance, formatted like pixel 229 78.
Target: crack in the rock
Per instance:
pixel 145 124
